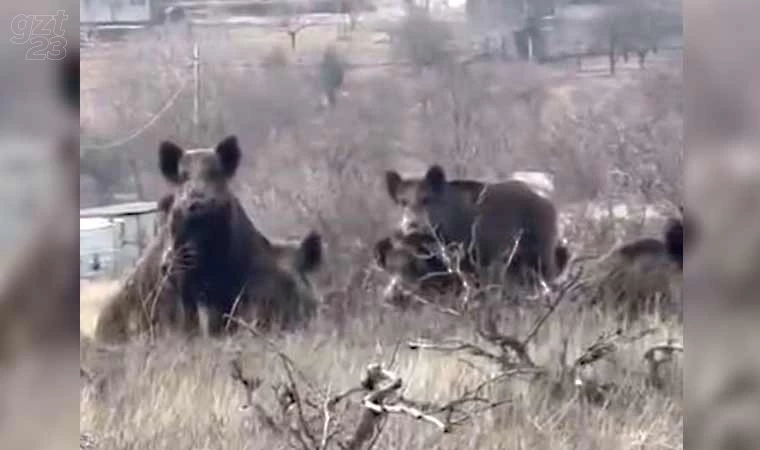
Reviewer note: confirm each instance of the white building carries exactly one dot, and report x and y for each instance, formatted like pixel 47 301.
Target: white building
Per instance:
pixel 115 11
pixel 112 238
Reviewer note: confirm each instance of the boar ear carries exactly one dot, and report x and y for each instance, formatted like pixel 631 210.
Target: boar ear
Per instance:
pixel 382 247
pixel 310 253
pixel 392 183
pixel 169 155
pixel 228 152
pixel 68 79
pixel 674 240
pixel 561 257
pixel 435 178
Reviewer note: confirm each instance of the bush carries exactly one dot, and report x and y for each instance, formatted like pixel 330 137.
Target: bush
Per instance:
pixel 422 40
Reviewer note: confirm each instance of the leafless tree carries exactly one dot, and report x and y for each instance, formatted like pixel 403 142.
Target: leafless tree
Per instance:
pixel 635 26
pixel 422 40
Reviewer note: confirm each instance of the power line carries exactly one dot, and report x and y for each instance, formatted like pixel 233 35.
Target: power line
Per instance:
pixel 137 132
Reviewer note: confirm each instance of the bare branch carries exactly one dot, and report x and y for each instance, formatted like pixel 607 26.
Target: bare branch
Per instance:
pixel 454 346
pixel 558 298
pixel 408 410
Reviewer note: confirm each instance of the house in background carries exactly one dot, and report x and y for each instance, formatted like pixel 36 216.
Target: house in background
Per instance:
pixel 115 18
pixel 107 12
pixel 589 27
pixel 112 238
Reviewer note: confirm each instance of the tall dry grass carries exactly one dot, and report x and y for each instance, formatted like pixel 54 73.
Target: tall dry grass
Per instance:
pixel 180 394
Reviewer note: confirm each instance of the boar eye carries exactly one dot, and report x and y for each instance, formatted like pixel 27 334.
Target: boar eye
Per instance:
pixel 404 202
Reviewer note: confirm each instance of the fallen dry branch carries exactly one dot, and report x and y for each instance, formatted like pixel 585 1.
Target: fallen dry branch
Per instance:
pixel 453 347
pixel 312 420
pixel 374 401
pixel 513 357
pixel 384 400
pixel 561 294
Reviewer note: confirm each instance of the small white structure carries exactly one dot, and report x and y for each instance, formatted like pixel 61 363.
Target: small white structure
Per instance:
pixel 98 240
pixel 650 216
pixel 115 11
pixel 111 238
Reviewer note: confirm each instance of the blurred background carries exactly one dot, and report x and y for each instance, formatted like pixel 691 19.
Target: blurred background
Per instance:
pixel 38 383
pixel 722 373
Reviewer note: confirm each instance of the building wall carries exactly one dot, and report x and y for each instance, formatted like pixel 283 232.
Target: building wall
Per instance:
pixel 116 245
pixel 114 11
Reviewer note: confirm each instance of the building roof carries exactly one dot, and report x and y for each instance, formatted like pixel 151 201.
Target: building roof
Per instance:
pixel 94 223
pixel 120 210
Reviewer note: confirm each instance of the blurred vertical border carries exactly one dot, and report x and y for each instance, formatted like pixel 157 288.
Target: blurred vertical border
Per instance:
pixel 722 371
pixel 39 127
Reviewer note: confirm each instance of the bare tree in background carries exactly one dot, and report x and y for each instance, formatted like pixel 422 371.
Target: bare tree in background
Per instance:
pixel 422 40
pixel 293 23
pixel 636 26
pixel 350 10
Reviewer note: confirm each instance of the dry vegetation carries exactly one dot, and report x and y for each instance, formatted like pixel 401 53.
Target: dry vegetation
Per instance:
pixel 189 396
pixel 317 164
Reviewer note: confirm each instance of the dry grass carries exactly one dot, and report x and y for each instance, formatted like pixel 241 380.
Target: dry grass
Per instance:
pixel 93 296
pixel 175 394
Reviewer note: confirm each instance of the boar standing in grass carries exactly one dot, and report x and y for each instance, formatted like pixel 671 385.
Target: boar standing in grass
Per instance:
pixel 209 256
pixel 632 276
pixel 487 220
pixel 417 266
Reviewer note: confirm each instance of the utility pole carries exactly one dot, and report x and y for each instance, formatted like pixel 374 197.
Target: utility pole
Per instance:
pixel 196 89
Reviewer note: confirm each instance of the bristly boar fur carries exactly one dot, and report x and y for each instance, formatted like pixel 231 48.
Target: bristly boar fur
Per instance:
pixel 210 257
pixel 486 219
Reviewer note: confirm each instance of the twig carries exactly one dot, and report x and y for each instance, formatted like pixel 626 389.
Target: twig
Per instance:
pixel 326 412
pixel 606 344
pixel 395 284
pixel 370 421
pixel 492 335
pixel 304 426
pixel 408 410
pixel 274 348
pixel 561 295
pixel 668 349
pixel 454 346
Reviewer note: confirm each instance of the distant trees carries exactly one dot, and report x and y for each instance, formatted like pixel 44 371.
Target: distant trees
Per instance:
pixel 422 40
pixel 636 26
